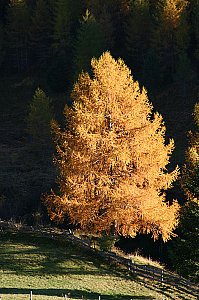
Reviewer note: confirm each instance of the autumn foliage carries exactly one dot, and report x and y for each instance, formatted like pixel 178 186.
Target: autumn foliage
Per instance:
pixel 112 157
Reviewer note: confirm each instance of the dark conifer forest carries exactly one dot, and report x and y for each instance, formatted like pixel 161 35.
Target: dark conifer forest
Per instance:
pixel 45 45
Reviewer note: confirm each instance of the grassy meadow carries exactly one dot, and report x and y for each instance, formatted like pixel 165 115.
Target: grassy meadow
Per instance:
pixel 52 269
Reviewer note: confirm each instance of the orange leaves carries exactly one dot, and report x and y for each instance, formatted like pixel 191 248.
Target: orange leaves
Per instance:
pixel 112 158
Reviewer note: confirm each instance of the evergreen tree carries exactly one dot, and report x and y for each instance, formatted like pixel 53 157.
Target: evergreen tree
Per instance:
pixel 187 263
pixel 41 33
pixel 2 50
pixel 184 250
pixel 104 14
pixel 58 72
pixel 31 4
pixel 170 37
pixel 112 157
pixel 17 35
pixel 39 118
pixel 4 4
pixel 66 17
pixel 62 25
pixel 190 179
pixel 106 22
pixel 138 35
pixel 184 73
pixel 117 11
pixel 118 6
pixel 90 42
pixel 151 69
pixel 194 18
pixel 67 14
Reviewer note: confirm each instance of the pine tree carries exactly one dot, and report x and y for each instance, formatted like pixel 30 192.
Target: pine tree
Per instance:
pixel 2 46
pixel 138 35
pixel 67 14
pixel 186 244
pixel 114 13
pixel 4 4
pixel 112 157
pixel 41 33
pixel 103 14
pixel 57 75
pixel 90 42
pixel 118 6
pixel 183 73
pixel 170 36
pixel 62 25
pixel 190 179
pixel 194 12
pixel 105 21
pixel 17 35
pixel 39 118
pixel 187 263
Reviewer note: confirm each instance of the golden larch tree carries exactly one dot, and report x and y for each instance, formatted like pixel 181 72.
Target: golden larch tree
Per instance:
pixel 112 157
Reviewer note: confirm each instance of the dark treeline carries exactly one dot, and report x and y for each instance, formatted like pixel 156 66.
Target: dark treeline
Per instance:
pixel 47 43
pixel 158 40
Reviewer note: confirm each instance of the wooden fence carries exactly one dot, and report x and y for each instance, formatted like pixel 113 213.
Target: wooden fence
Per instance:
pixel 145 272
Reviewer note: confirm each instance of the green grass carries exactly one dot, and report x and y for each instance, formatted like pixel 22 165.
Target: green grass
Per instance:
pixel 52 268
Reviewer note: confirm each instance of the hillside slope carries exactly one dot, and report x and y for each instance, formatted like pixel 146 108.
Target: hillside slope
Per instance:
pixel 52 268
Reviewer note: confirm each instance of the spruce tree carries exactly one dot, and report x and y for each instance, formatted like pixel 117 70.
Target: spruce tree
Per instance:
pixel 58 76
pixel 138 35
pixel 66 21
pixel 105 21
pixel 103 14
pixel 2 46
pixel 17 36
pixel 194 18
pixel 186 244
pixel 62 25
pixel 4 4
pixel 190 179
pixel 90 42
pixel 67 14
pixel 112 158
pixel 41 33
pixel 187 263
pixel 170 37
pixel 39 118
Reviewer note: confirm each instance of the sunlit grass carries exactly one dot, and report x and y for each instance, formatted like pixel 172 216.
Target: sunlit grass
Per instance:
pixel 137 258
pixel 53 268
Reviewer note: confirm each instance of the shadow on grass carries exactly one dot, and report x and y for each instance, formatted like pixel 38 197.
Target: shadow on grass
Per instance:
pixel 167 290
pixel 75 294
pixel 31 255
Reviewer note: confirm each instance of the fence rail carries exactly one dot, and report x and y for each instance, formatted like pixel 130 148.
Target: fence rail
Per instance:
pixel 155 274
pixel 146 272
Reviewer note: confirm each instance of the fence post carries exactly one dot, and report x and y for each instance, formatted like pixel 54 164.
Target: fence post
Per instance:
pixel 130 265
pixel 30 295
pixel 145 272
pixel 99 298
pixel 134 268
pixel 65 296
pixel 162 276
